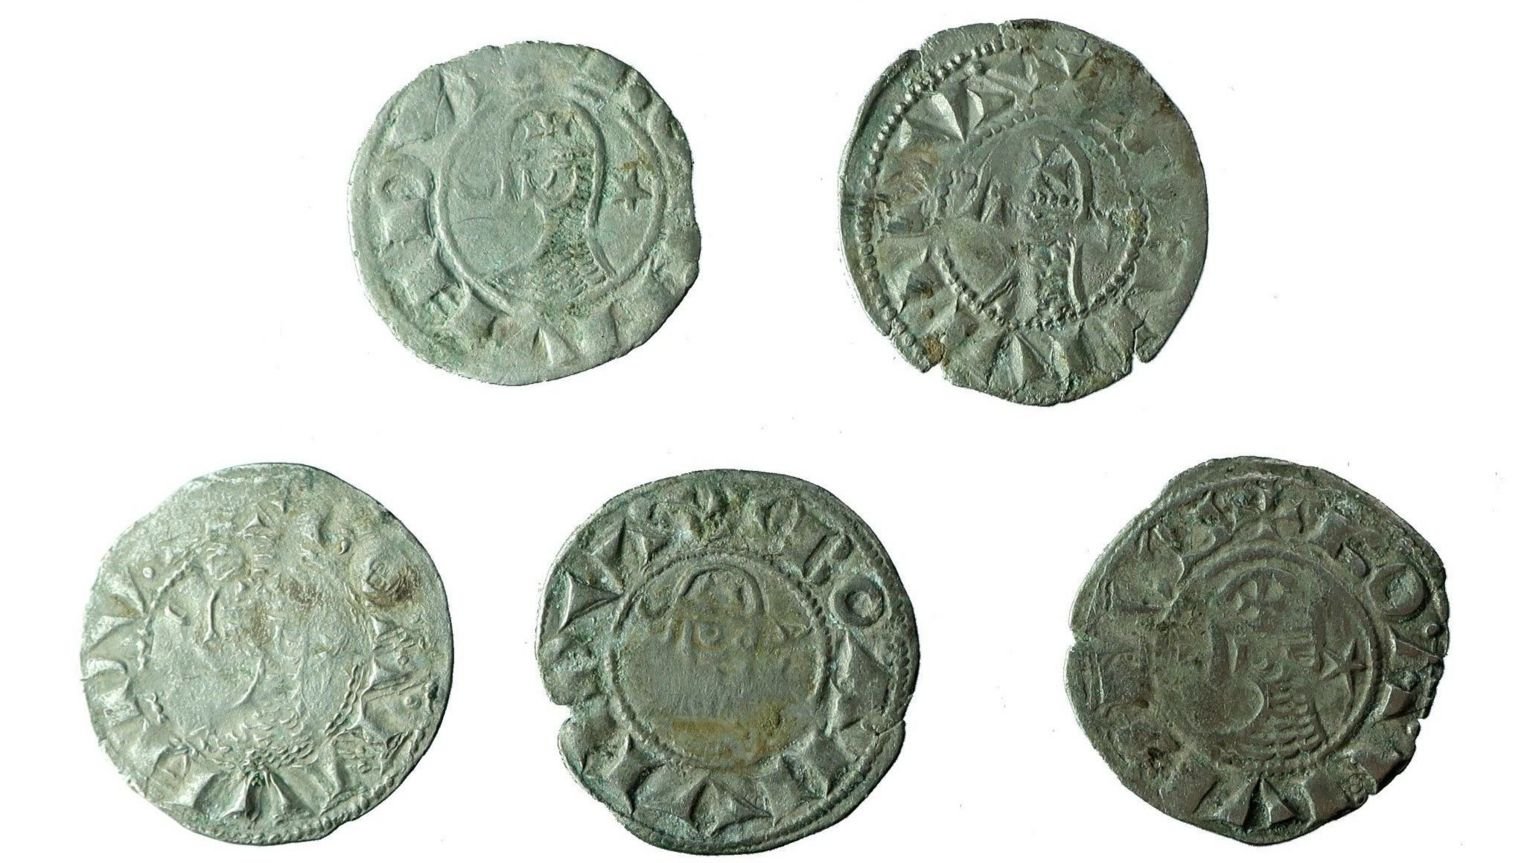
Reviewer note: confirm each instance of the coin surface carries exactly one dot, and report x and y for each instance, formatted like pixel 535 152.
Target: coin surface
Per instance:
pixel 1255 650
pixel 524 213
pixel 267 654
pixel 737 653
pixel 1023 206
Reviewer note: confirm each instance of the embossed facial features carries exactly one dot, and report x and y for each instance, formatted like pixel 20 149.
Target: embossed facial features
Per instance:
pixel 1023 208
pixel 551 158
pixel 247 647
pixel 719 660
pixel 559 190
pixel 521 189
pixel 1236 664
pixel 1271 666
pixel 544 157
pixel 244 665
pixel 738 655
pixel 1037 225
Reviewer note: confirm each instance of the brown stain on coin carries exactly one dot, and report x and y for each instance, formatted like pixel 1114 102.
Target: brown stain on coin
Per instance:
pixel 760 730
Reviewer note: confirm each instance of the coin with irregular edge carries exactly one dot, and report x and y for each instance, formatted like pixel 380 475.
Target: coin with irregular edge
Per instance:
pixel 524 213
pixel 737 653
pixel 1255 651
pixel 267 654
pixel 1023 206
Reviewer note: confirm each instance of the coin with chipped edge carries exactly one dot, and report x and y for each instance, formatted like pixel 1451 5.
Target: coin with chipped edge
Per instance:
pixel 267 654
pixel 737 653
pixel 1255 650
pixel 1024 206
pixel 524 213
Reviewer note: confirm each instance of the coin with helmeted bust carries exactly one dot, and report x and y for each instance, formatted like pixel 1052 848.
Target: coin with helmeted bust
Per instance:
pixel 1024 207
pixel 524 213
pixel 737 653
pixel 267 654
pixel 1255 650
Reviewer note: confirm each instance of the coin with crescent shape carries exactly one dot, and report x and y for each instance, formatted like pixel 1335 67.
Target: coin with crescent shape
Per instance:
pixel 1255 650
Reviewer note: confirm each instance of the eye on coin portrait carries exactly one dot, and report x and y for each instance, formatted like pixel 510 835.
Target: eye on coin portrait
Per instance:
pixel 1254 651
pixel 267 654
pixel 1023 206
pixel 524 213
pixel 737 653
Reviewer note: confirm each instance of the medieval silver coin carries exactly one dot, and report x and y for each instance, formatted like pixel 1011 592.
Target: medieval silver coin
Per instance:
pixel 1255 651
pixel 267 654
pixel 524 213
pixel 1024 206
pixel 737 653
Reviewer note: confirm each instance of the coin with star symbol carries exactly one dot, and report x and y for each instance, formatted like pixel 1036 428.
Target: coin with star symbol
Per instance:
pixel 524 213
pixel 1024 207
pixel 267 654
pixel 737 653
pixel 1255 650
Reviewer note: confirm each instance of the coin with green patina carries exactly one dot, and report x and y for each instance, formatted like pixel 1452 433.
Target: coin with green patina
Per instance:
pixel 1023 206
pixel 1255 650
pixel 524 213
pixel 737 653
pixel 266 654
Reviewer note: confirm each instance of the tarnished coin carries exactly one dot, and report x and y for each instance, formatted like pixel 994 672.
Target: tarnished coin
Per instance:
pixel 524 213
pixel 1024 206
pixel 737 653
pixel 1255 651
pixel 267 654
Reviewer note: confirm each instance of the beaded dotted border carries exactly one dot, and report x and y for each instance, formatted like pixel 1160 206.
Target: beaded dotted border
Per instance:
pixel 835 806
pixel 863 232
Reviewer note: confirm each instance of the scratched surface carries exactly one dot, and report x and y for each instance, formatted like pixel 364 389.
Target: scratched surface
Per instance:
pixel 267 654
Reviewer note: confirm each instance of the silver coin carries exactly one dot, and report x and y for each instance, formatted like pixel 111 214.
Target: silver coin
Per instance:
pixel 1256 649
pixel 524 213
pixel 738 655
pixel 1024 206
pixel 267 654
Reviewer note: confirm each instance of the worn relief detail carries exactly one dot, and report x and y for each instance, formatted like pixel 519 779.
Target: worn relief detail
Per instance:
pixel 1024 206
pixel 267 654
pixel 1255 651
pixel 737 653
pixel 525 213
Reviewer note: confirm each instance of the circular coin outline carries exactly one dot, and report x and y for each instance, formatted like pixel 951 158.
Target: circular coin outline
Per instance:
pixel 1111 676
pixel 517 342
pixel 1063 359
pixel 574 662
pixel 117 608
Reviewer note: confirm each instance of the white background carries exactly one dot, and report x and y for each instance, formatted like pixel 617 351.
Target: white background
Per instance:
pixel 180 296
